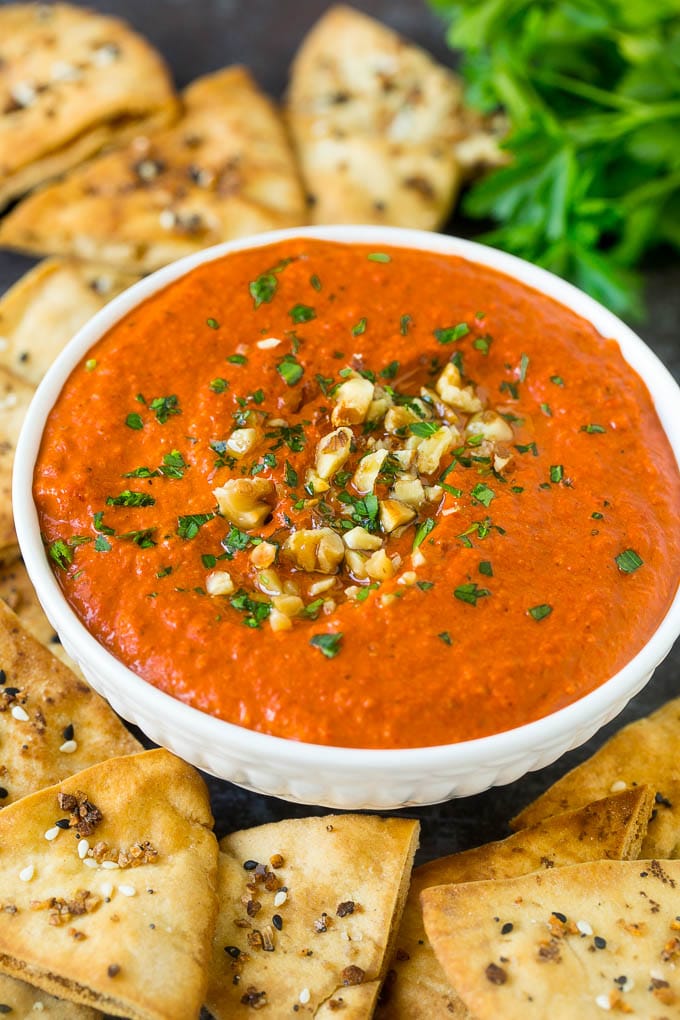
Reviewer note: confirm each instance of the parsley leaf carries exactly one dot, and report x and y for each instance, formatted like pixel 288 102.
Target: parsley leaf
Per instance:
pixel 189 525
pixel 452 333
pixel 470 593
pixel 290 369
pixel 628 561
pixel 423 531
pixel 134 421
pixel 540 612
pixel 328 644
pixel 302 313
pixel 165 407
pixel 60 553
pixel 130 498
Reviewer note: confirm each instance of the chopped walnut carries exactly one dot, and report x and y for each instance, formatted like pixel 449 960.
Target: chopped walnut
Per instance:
pixel 353 975
pixel 84 816
pixel 61 911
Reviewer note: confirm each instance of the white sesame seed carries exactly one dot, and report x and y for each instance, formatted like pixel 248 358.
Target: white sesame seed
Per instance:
pixel 305 996
pixel 19 713
pixel 167 219
pixel 584 928
pixel 83 847
pixel 618 786
pixel 280 898
pixel 657 974
pixel 9 401
pixel 628 985
pixel 106 54
pixel 268 343
pixel 62 71
pixel 69 746
pixel 52 833
pixel 106 888
pixel 23 93
pixel 109 865
pixel 89 862
pixel 603 1001
pixel 4 343
pixel 127 890
pixel 38 1007
pixel 27 873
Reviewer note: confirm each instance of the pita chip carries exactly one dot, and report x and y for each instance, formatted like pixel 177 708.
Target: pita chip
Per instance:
pixel 51 723
pixel 375 122
pixel 308 911
pixel 15 396
pixel 224 170
pixel 117 911
pixel 17 592
pixel 24 1001
pixel 71 81
pixel 47 307
pixel 612 828
pixel 644 752
pixel 574 942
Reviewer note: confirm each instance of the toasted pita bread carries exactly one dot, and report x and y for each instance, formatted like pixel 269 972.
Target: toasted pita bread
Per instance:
pixel 223 171
pixel 375 121
pixel 612 828
pixel 644 752
pixel 71 81
pixel 131 940
pixel 62 712
pixel 337 887
pixel 15 396
pixel 24 1001
pixel 18 593
pixel 47 306
pixel 572 942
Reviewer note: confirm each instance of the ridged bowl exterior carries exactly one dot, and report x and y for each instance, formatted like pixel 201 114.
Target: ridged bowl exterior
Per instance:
pixel 344 778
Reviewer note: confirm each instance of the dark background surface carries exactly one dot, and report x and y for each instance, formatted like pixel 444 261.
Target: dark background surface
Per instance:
pixel 197 36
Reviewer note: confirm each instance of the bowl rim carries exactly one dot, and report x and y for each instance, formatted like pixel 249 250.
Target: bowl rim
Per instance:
pixel 610 697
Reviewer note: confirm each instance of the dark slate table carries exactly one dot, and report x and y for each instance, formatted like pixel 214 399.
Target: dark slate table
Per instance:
pixel 197 36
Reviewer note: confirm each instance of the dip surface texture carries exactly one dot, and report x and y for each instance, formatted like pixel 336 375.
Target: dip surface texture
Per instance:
pixel 544 507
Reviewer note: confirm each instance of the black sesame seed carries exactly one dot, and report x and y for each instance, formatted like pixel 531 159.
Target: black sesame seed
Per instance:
pixel 3 676
pixel 621 980
pixel 3 793
pixel 152 926
pixel 11 692
pixel 250 865
pixel 660 799
pixel 68 732
pixel 4 1008
pixel 559 916
pixel 277 921
pixel 233 951
pixel 113 969
pixel 600 943
pixel 507 928
pixel 63 823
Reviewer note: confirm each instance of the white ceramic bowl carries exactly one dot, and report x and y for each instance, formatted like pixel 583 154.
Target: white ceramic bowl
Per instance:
pixel 308 773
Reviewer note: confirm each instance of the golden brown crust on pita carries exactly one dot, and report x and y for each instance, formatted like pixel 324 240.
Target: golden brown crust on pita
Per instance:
pixel 346 878
pixel 642 752
pixel 223 171
pixel 374 120
pixel 17 592
pixel 573 942
pixel 26 1002
pixel 47 307
pixel 612 828
pixel 15 396
pixel 54 700
pixel 71 81
pixel 132 940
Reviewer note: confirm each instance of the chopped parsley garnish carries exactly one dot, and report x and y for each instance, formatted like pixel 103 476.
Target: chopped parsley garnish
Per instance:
pixel 98 524
pixel 189 525
pixel 482 528
pixel 423 531
pixel 235 541
pixel 256 611
pixel 257 397
pixel 509 387
pixel 263 288
pixel 312 610
pixel 483 494
pixel 213 323
pixel 102 544
pixel 470 593
pixel 482 343
pixel 164 571
pixel 390 371
pixel 379 256
pixel 628 561
pixel 556 473
pixel 405 324
pixel 523 366
pixel 290 369
pixel 134 421
pixel 557 380
pixel 302 313
pixel 315 282
pixel 424 429
pixel 360 327
pixel 364 510
pixel 61 554
pixel 219 385
pixel 485 568
pixel 445 637
pixel 547 410
pixel 237 359
pixel 130 498
pixel 540 612
pixel 452 333
pixel 325 383
pixel 528 448
pixel 592 429
pixel 174 465
pixel 224 459
pixel 141 472
pixel 141 538
pixel 597 516
pixel 363 593
pixel 328 644
pixel 290 475
pixel 209 561
pixel 292 436
pixel 165 407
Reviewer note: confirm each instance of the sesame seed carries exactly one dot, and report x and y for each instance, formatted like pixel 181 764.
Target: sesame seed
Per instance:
pixel 277 921
pixel 584 928
pixel 233 951
pixel 618 786
pixel 4 1008
pixel 62 71
pixel 68 732
pixel 268 343
pixel 127 890
pixel 603 1002
pixel 113 969
pixel 90 862
pixel 52 833
pixel 167 219
pixel 3 675
pixel 560 917
pixel 109 865
pixel 305 996
pixel 249 865
pixel 63 823
pixel 27 873
pixel 68 747
pixel 599 942
pixel 280 898
pixel 507 928
pixel 23 93
pixel 83 847
pixel 106 54
pixel 106 889
pixel 4 793
pixel 19 713
pixel 38 1006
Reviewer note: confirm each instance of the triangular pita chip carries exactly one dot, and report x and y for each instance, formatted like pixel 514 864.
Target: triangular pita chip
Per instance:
pixel 15 396
pixel 612 828
pixel 644 752
pixel 51 723
pixel 375 122
pixel 23 1001
pixel 73 80
pixel 17 592
pixel 40 313
pixel 574 942
pixel 131 940
pixel 308 910
pixel 224 170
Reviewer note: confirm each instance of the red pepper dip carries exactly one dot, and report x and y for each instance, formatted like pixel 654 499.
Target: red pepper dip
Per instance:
pixel 361 498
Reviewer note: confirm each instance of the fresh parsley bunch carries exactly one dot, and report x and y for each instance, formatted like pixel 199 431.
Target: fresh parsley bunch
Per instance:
pixel 591 89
